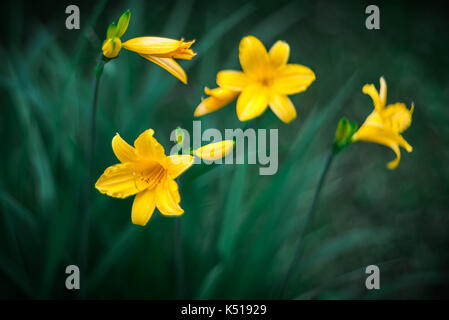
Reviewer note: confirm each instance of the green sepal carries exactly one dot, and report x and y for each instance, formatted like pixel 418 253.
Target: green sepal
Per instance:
pixel 123 23
pixel 343 134
pixel 112 31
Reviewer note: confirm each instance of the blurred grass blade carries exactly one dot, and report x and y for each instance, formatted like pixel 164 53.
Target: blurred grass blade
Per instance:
pixel 210 282
pixel 300 146
pixel 38 155
pixel 221 29
pixel 21 212
pixel 112 256
pixel 270 28
pixel 13 273
pixel 232 212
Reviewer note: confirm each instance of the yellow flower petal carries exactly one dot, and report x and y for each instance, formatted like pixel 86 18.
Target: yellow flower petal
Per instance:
pixel 397 117
pixel 377 127
pixel 177 164
pixel 279 54
pixel 404 144
pixel 111 47
pixel 370 90
pixel 386 123
pixel 170 65
pixel 372 132
pixel 383 91
pixel 252 102
pixel 219 98
pixel 292 78
pixel 282 107
pixel 253 56
pixel 182 52
pixel 394 163
pixel 168 198
pixel 152 45
pixel 215 151
pixel 185 54
pixel 143 207
pixel 121 181
pixel 122 150
pixel 376 135
pixel 234 80
pixel 148 147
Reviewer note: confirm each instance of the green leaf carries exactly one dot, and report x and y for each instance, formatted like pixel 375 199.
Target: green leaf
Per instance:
pixel 232 212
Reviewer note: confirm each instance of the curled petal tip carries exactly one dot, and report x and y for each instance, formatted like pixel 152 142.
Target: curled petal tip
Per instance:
pixel 392 166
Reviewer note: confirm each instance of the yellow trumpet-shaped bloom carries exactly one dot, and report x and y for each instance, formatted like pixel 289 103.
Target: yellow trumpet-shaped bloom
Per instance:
pixel 145 171
pixel 386 123
pixel 266 80
pixel 215 151
pixel 161 51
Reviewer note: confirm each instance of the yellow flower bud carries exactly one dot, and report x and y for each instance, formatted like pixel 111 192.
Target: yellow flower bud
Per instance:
pixel 215 151
pixel 111 47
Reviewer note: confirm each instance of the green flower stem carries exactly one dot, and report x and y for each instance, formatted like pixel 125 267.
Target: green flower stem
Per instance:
pixel 178 250
pixel 306 223
pixel 179 259
pixel 93 125
pixel 90 169
pixel 93 121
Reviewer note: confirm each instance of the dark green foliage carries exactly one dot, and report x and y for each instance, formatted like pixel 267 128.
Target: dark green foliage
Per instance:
pixel 239 229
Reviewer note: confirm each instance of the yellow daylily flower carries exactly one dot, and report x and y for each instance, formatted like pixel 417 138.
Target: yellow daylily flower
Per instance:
pixel 214 151
pixel 266 80
pixel 145 171
pixel 161 51
pixel 386 123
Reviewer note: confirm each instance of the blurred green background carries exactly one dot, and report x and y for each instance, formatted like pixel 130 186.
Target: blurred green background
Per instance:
pixel 239 230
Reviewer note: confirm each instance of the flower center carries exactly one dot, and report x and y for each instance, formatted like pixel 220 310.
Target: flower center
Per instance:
pixel 153 175
pixel 267 81
pixel 397 118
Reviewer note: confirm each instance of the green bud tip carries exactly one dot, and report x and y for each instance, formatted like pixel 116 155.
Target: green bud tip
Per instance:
pixel 123 23
pixel 112 31
pixel 179 134
pixel 343 134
